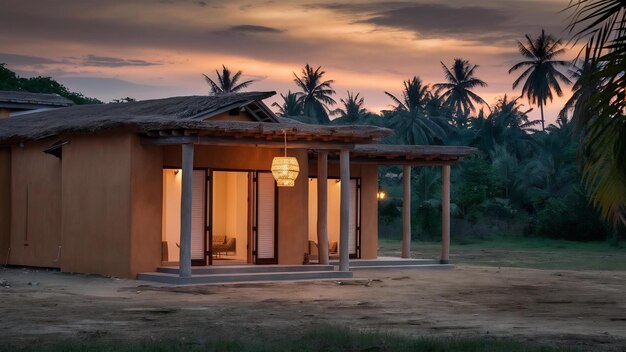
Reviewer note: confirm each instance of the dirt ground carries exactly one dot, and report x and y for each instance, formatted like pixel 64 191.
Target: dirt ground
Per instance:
pixel 568 308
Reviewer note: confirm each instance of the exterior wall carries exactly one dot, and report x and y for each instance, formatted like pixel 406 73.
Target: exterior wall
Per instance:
pixel 292 202
pixel 97 204
pixel 242 116
pixel 146 206
pixel 224 158
pixel 293 216
pixel 102 202
pixel 369 212
pixel 369 202
pixel 35 206
pixel 5 203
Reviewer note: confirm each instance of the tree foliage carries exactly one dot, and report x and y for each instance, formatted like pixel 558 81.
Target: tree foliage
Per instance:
pixel 9 80
pixel 411 120
pixel 541 72
pixel 352 111
pixel 227 82
pixel 457 90
pixel 291 105
pixel 599 101
pixel 316 93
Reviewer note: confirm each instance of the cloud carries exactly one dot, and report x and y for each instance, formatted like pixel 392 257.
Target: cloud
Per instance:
pixel 250 28
pixel 106 61
pixel 27 60
pixel 487 22
pixel 108 89
pixel 441 19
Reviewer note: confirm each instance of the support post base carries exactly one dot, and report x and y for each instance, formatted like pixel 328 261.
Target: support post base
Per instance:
pixel 442 261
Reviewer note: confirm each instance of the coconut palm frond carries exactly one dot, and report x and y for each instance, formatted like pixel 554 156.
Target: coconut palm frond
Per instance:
pixel 227 82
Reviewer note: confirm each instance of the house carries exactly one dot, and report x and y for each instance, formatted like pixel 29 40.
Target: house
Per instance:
pixel 123 189
pixel 18 103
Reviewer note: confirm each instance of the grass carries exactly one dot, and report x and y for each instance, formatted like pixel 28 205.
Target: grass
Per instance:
pixel 522 252
pixel 316 340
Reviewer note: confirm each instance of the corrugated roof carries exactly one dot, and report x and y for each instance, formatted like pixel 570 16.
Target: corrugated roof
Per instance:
pixel 14 97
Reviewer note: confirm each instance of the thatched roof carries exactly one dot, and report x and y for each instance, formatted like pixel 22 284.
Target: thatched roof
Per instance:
pixel 187 120
pixel 27 100
pixel 90 118
pixel 248 131
pixel 177 116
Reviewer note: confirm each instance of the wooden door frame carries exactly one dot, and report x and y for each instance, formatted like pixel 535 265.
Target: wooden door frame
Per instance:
pixel 194 262
pixel 257 260
pixel 250 248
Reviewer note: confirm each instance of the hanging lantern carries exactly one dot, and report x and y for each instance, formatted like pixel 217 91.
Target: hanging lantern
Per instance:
pixel 285 169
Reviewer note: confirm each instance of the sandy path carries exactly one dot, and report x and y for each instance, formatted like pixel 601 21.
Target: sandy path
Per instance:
pixel 586 309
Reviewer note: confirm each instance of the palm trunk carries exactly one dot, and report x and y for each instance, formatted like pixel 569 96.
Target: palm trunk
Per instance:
pixel 543 126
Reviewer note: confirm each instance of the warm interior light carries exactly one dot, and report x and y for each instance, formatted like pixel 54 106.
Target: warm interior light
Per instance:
pixel 285 169
pixel 381 195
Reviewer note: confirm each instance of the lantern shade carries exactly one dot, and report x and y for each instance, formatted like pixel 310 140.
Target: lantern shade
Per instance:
pixel 285 170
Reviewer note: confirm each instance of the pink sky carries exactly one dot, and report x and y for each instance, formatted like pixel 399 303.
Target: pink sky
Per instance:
pixel 158 48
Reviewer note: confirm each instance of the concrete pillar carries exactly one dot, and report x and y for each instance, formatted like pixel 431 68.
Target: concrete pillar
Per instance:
pixel 322 207
pixel 406 212
pixel 344 220
pixel 185 211
pixel 445 214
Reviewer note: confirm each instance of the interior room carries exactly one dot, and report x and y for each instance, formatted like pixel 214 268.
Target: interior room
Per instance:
pixel 171 215
pixel 334 201
pixel 231 217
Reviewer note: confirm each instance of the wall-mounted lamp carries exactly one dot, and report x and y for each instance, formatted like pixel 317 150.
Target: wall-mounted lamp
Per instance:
pixel 381 195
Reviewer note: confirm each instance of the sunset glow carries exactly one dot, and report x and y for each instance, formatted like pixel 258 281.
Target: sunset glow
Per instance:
pixel 149 49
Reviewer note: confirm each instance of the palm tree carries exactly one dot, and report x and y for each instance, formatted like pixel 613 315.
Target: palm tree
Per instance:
pixel 457 91
pixel 352 110
pixel 541 74
pixel 291 106
pixel 316 93
pixel 410 119
pixel 601 113
pixel 508 124
pixel 226 82
pixel 582 71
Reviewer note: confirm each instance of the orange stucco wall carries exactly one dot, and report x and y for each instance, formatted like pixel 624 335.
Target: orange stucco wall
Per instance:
pixel 35 206
pixel 111 205
pixel 293 216
pixel 146 206
pixel 369 211
pixel 96 204
pixel 5 202
pixel 242 116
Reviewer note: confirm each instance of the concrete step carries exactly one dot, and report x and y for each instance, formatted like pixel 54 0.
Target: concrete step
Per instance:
pixel 356 263
pixel 418 266
pixel 247 269
pixel 174 279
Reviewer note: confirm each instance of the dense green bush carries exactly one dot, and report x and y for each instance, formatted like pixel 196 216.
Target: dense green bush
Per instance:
pixel 10 81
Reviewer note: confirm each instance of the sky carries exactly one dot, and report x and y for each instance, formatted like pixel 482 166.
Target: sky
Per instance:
pixel 148 49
